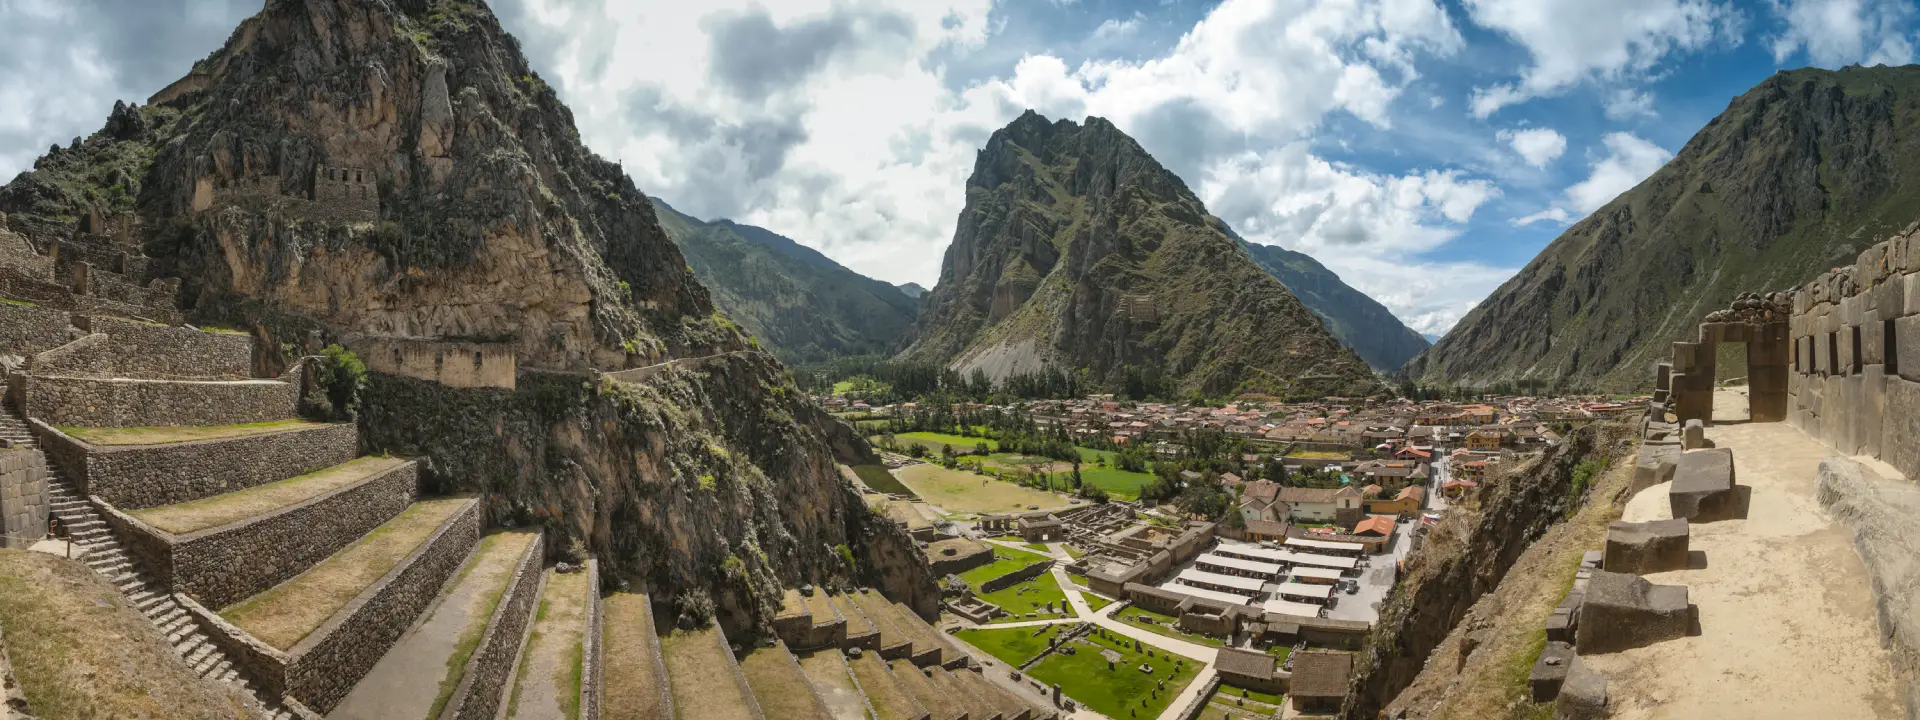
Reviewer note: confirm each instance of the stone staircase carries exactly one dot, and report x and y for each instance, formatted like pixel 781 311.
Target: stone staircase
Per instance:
pixel 104 554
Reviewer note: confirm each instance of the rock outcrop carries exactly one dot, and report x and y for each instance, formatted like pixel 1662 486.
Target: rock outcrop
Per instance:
pixel 1077 250
pixel 394 169
pixel 1798 175
pixel 1880 512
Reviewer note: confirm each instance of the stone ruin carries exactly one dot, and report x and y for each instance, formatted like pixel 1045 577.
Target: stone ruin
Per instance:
pixel 1685 386
pixel 1624 611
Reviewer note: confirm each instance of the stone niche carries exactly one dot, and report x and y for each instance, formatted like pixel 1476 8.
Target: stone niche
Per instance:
pixel 450 363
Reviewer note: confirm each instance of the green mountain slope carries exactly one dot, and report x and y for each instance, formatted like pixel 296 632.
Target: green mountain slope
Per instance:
pixel 1076 249
pixel 1357 320
pixel 804 306
pixel 1798 175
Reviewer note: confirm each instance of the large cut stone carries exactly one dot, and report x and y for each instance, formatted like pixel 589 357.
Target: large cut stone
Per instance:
pixel 1583 695
pixel 1703 486
pixel 1906 345
pixel 1550 671
pixel 1693 436
pixel 1648 547
pixel 1624 611
pixel 1653 466
pixel 1900 426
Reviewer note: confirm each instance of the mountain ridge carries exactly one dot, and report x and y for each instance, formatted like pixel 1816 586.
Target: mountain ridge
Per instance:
pixel 1076 249
pixel 1355 318
pixel 1797 175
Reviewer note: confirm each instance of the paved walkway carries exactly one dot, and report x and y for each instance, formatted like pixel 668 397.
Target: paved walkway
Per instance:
pixel 1786 619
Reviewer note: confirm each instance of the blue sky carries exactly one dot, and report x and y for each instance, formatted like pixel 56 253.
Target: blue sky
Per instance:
pixel 1423 149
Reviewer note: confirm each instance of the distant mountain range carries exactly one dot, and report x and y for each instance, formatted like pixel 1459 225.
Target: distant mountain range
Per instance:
pixel 801 304
pixel 1798 175
pixel 912 290
pixel 1359 321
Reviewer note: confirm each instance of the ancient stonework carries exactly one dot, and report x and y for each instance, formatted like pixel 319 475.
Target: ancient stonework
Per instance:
pixel 132 477
pixel 487 679
pixel 116 402
pixel 23 497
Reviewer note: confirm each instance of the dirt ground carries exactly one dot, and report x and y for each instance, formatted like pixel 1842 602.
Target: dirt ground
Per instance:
pixel 957 491
pixel 1786 617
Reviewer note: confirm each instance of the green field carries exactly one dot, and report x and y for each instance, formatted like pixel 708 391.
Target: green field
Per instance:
pixel 1013 646
pixel 1232 703
pixel 934 441
pixel 1165 625
pixel 1005 560
pixel 1031 596
pixel 1095 601
pixel 1118 483
pixel 1124 691
pixel 959 491
pixel 877 477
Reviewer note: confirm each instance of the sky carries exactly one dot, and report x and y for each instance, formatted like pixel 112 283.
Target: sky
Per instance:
pixel 1423 149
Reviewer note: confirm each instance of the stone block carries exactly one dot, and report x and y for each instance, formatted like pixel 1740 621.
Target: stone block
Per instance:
pixel 1852 309
pixel 1900 425
pixel 1872 340
pixel 1890 298
pixel 1663 376
pixel 1693 435
pixel 1768 406
pixel 1909 295
pixel 1844 345
pixel 1625 611
pixel 1703 486
pixel 1549 671
pixel 1685 357
pixel 1583 695
pixel 1560 626
pixel 1872 408
pixel 1906 344
pixel 1803 354
pixel 1738 332
pixel 1653 466
pixel 1649 547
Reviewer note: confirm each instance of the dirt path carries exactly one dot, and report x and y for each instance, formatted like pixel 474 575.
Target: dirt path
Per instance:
pixel 546 688
pixel 1787 620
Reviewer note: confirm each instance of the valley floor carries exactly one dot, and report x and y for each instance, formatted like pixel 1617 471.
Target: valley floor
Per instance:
pixel 1786 616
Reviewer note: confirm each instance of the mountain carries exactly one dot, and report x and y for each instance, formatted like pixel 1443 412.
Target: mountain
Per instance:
pixel 1076 249
pixel 802 305
pixel 1359 321
pixel 1798 175
pixel 1433 337
pixel 912 290
pixel 393 170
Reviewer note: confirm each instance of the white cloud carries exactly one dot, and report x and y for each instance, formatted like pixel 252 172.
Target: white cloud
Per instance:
pixel 1840 32
pixel 1628 161
pixel 1538 146
pixel 1628 103
pixel 1117 29
pixel 1574 41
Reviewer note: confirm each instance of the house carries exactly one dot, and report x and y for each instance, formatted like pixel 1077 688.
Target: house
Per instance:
pixel 1320 681
pixel 1045 528
pixel 1485 439
pixel 1266 531
pixel 1406 502
pixel 1374 532
pixel 1319 504
pixel 1249 669
pixel 1456 489
pixel 1258 501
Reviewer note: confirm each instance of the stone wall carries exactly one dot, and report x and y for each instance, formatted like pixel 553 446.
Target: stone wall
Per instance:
pixel 348 193
pixel 27 330
pixel 143 476
pixel 146 350
pixel 95 402
pixel 325 666
pixel 23 497
pixel 455 364
pixel 1855 332
pixel 489 669
pixel 590 656
pixel 1016 577
pixel 17 254
pixel 46 292
pixel 224 565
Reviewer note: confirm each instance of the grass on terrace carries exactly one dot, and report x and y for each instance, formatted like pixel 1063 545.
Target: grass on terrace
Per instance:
pixel 877 477
pixel 885 694
pixel 1012 646
pixel 703 684
pixel 1031 596
pixel 494 562
pixel 284 615
pixel 233 507
pixel 1005 560
pixel 1120 484
pixel 1095 601
pixel 1229 703
pixel 180 433
pixel 960 491
pixel 550 663
pixel 933 441
pixel 1320 455
pixel 1124 691
pixel 1165 625
pixel 80 651
pixel 783 693
pixel 631 675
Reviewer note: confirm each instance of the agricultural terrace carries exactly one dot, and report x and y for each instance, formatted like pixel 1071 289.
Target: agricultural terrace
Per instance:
pixel 1013 646
pixel 959 491
pixel 1126 690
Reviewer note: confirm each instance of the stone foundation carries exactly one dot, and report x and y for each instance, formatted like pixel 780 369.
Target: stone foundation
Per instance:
pixel 23 497
pixel 143 476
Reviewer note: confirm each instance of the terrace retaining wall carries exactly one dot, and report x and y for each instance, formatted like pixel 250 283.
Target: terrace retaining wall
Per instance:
pixel 1016 577
pixel 590 656
pixel 142 476
pixel 28 330
pixel 489 669
pixel 97 402
pixel 143 350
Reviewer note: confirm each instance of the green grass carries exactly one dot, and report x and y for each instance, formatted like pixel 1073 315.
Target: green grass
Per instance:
pixel 177 433
pixel 1073 552
pixel 933 441
pixel 1038 547
pixel 1039 591
pixel 476 626
pixel 877 477
pixel 1005 560
pixel 1012 459
pixel 1254 695
pixel 1121 484
pixel 1095 601
pixel 21 303
pixel 1166 625
pixel 1320 455
pixel 840 388
pixel 1124 691
pixel 1013 646
pixel 1281 652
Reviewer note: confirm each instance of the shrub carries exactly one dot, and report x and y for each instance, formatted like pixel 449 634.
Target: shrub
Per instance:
pixel 341 378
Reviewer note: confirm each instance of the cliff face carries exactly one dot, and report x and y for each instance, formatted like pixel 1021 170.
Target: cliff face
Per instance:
pixel 799 303
pixel 394 168
pixel 1358 321
pixel 1798 175
pixel 1077 250
pixel 1466 557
